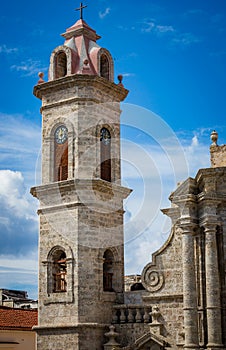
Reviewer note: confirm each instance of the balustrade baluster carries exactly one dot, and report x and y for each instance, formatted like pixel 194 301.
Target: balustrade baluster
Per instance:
pixel 130 315
pixel 138 315
pixel 122 315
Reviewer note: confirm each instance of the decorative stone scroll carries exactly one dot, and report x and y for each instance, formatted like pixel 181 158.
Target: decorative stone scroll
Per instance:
pixel 152 280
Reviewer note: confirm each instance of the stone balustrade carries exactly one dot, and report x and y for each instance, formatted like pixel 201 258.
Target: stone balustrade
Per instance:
pixel 126 313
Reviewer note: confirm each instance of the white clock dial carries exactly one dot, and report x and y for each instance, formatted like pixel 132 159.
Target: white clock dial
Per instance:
pixel 61 134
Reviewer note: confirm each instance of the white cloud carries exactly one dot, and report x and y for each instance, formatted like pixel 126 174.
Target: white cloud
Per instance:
pixel 104 13
pixel 165 29
pixel 13 195
pixel 7 50
pixel 19 146
pixel 153 175
pixel 128 75
pixel 185 39
pixel 176 37
pixel 18 273
pixel 29 67
pixel 151 26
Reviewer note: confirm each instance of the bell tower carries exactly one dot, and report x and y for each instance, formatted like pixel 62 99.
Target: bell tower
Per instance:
pixel 81 259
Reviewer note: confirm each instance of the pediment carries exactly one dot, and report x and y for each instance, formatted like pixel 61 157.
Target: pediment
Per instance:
pixel 148 341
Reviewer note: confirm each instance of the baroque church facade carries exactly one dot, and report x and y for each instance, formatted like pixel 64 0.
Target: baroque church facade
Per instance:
pixel 82 301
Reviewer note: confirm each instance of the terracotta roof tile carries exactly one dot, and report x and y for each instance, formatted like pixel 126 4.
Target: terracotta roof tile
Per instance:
pixel 17 318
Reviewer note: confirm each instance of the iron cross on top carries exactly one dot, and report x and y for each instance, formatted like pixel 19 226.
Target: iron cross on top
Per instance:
pixel 81 9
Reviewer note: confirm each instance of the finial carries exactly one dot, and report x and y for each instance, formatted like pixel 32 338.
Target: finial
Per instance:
pixel 81 9
pixel 112 343
pixel 41 80
pixel 214 138
pixel 120 77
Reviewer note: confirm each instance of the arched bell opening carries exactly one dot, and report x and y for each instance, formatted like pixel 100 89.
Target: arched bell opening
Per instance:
pixel 60 65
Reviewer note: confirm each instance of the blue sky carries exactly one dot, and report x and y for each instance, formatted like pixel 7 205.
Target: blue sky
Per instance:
pixel 172 55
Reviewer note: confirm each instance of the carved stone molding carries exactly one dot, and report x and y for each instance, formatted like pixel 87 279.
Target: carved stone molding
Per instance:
pixel 152 280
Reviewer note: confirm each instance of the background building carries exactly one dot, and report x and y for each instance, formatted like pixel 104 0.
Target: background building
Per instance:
pixel 16 328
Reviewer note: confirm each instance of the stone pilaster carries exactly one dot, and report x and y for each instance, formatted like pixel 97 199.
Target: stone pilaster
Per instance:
pixel 213 302
pixel 189 288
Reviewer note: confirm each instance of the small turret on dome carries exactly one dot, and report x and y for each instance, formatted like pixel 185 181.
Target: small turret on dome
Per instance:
pixel 80 54
pixel 214 137
pixel 217 153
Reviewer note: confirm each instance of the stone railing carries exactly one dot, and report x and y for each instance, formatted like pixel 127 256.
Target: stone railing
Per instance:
pixel 126 313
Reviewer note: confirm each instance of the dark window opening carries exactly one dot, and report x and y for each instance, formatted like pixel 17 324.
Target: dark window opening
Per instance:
pixel 104 67
pixel 59 272
pixel 61 163
pixel 105 154
pixel 61 65
pixel 108 271
pixel 137 286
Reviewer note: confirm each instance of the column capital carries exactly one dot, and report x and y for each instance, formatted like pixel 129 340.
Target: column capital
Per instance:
pixel 210 224
pixel 188 225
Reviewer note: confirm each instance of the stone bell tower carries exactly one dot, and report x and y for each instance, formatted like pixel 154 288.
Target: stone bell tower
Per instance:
pixel 81 261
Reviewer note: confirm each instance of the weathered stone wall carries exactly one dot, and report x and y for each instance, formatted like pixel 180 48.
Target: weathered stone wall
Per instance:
pixel 84 110
pixel 163 276
pixel 218 156
pixel 82 216
pixel 71 338
pixel 129 332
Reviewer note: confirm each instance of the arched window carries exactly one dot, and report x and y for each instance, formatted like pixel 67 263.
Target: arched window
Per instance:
pixel 104 67
pixel 108 271
pixel 60 65
pixel 57 272
pixel 61 153
pixel 105 154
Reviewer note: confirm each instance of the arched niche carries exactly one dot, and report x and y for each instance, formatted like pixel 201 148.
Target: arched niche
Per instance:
pixel 58 159
pixel 61 153
pixel 105 154
pixel 62 62
pixel 60 65
pixel 105 64
pixel 108 271
pixel 59 275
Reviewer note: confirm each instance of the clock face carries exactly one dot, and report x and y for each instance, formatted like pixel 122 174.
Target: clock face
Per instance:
pixel 61 134
pixel 105 136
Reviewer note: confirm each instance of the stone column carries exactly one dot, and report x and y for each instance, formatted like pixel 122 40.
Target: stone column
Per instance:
pixel 213 301
pixel 189 288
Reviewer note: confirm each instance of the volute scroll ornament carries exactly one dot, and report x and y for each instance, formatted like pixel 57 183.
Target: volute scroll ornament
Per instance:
pixel 152 280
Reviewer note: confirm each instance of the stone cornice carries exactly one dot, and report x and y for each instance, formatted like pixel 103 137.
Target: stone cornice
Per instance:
pixel 186 188
pixel 162 297
pixel 87 32
pixel 57 208
pixel 114 90
pixel 68 101
pixel 209 172
pixel 96 194
pixel 69 326
pixel 186 199
pixel 173 213
pixel 210 197
pixel 82 185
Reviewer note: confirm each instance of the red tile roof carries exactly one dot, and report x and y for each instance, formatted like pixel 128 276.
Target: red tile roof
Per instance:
pixel 17 318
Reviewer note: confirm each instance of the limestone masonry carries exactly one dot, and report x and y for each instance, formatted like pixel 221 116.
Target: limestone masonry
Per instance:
pixel 179 301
